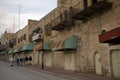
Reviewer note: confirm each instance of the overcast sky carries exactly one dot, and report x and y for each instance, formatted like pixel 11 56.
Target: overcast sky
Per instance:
pixel 30 9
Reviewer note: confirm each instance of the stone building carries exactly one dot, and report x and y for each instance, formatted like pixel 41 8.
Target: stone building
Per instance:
pixel 76 36
pixel 25 46
pixel 6 47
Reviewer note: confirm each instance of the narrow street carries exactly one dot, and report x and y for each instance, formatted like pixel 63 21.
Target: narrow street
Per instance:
pixel 20 73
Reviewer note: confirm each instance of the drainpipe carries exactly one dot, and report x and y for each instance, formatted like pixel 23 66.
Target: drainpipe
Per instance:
pixel 42 64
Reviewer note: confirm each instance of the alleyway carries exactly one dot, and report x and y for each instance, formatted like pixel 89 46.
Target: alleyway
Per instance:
pixel 20 73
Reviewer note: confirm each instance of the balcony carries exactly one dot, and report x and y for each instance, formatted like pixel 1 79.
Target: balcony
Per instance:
pixel 88 11
pixel 36 37
pixel 112 36
pixel 3 47
pixel 63 21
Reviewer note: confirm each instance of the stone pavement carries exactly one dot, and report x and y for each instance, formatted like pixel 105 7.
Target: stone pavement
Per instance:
pixel 67 74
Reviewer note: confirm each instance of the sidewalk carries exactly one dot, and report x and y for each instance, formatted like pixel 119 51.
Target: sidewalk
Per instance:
pixel 67 74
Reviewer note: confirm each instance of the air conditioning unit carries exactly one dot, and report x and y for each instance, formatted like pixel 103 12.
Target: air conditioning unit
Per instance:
pixel 36 37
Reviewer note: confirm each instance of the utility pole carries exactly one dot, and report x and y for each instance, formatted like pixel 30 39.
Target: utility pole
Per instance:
pixel 42 55
pixel 19 6
pixel 42 64
pixel 13 23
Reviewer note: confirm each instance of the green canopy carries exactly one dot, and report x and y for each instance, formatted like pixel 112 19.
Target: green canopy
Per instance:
pixel 4 52
pixel 48 45
pixel 69 44
pixel 28 47
pixel 16 50
pixel 10 51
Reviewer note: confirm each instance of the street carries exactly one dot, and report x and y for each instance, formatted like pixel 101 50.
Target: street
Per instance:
pixel 20 73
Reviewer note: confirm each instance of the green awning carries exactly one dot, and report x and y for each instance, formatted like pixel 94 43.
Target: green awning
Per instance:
pixel 69 44
pixel 3 47
pixel 10 51
pixel 16 50
pixel 4 52
pixel 48 45
pixel 28 47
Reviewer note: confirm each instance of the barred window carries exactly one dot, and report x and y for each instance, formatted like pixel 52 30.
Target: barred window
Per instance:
pixel 21 38
pixel 24 36
pixel 48 30
pixel 18 40
pixel 30 38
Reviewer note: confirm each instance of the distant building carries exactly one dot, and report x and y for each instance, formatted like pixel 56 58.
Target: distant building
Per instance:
pixel 7 43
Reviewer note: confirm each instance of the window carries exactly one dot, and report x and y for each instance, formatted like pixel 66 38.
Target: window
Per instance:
pixel 18 40
pixel 47 30
pixel 11 43
pixel 85 3
pixel 30 38
pixel 24 36
pixel 21 38
pixel 65 14
pixel 6 43
pixel 14 41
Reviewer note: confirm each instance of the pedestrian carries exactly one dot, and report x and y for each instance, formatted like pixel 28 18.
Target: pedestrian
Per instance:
pixel 11 61
pixel 23 61
pixel 17 61
pixel 26 60
pixel 20 61
pixel 30 59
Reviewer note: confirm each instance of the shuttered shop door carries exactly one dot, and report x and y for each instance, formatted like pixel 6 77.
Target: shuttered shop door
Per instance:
pixel 116 63
pixel 69 61
pixel 98 68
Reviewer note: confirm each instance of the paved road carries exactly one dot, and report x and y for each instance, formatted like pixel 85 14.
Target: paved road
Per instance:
pixel 20 73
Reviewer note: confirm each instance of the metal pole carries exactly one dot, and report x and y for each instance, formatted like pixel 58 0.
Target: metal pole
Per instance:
pixel 19 15
pixel 42 64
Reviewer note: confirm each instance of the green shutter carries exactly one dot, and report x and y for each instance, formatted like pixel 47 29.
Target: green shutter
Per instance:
pixel 71 43
pixel 10 51
pixel 48 45
pixel 16 50
pixel 68 44
pixel 28 47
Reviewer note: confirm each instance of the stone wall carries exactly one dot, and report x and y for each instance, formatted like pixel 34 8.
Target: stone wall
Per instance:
pixel 88 41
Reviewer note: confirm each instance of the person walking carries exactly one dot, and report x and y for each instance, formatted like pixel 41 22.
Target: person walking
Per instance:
pixel 11 61
pixel 26 60
pixel 30 59
pixel 17 61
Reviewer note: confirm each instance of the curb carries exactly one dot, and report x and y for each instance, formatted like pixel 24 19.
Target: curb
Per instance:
pixel 52 73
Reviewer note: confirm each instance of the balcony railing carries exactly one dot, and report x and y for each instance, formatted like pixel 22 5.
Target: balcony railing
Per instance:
pixel 3 47
pixel 36 37
pixel 62 21
pixel 80 11
pixel 88 11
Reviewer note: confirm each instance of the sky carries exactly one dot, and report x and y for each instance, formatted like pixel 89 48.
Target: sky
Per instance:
pixel 29 9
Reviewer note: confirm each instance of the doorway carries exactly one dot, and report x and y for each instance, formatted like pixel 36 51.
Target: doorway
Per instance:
pixel 85 2
pixel 98 66
pixel 115 61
